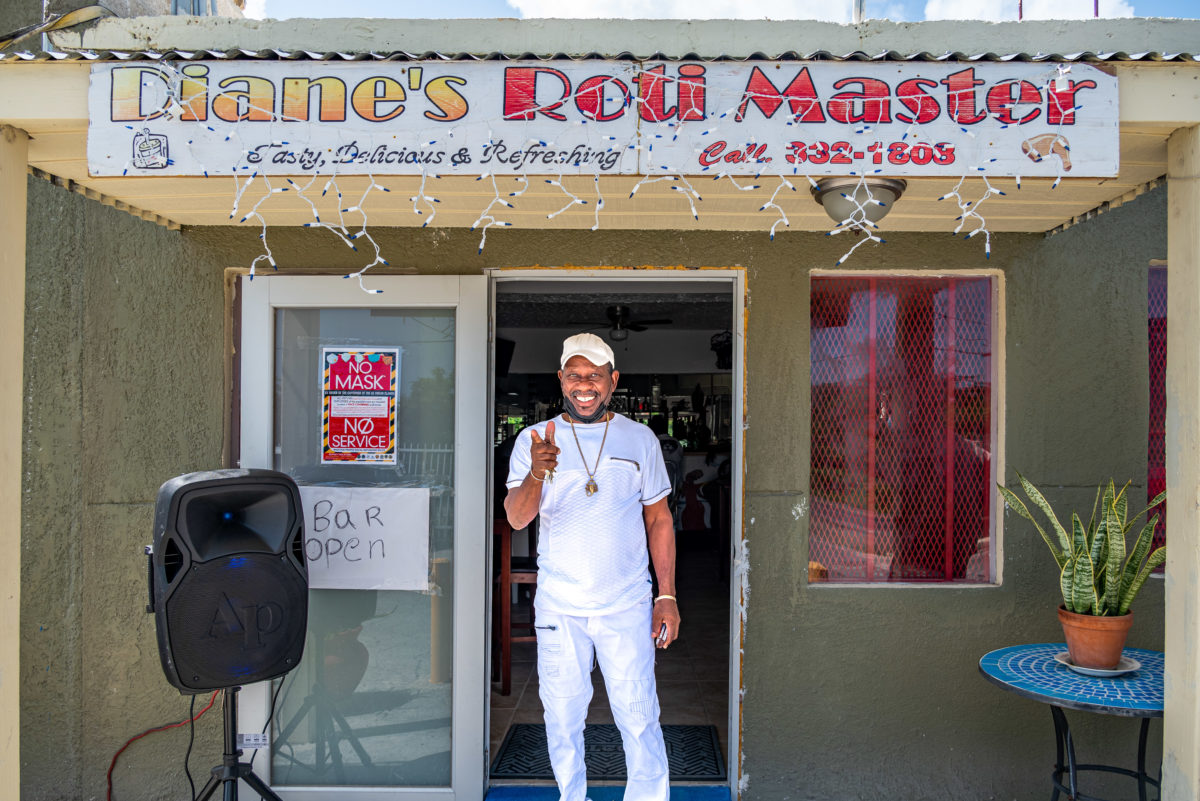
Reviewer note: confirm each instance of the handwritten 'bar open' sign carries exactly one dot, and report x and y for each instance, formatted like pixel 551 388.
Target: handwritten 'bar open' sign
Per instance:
pixel 366 538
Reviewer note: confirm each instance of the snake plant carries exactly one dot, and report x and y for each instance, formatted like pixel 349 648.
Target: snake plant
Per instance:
pixel 1097 575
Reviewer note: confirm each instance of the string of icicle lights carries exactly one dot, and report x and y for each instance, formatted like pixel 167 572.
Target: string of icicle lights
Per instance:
pixel 346 214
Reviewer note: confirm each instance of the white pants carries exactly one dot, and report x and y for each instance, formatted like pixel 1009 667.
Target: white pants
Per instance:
pixel 625 651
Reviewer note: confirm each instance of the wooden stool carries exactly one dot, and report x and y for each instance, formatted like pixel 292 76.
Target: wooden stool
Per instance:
pixel 508 574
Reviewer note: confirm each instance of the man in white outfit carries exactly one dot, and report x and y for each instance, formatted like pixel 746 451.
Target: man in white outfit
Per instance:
pixel 602 496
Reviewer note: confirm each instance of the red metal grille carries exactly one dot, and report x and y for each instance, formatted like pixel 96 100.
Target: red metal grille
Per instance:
pixel 1156 451
pixel 901 429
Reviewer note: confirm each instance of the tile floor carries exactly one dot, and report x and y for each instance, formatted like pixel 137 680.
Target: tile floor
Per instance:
pixel 693 674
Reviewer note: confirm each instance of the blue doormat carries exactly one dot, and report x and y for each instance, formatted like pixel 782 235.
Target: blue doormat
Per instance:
pixel 693 753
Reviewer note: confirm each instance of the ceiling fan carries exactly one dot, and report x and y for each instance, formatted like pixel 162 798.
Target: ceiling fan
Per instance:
pixel 620 323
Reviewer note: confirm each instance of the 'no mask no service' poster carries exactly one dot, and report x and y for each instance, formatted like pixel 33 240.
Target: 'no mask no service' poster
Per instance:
pixel 359 393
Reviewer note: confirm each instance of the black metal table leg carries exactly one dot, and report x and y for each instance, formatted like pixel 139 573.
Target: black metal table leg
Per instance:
pixel 1064 743
pixel 1062 731
pixel 1142 761
pixel 1065 747
pixel 1060 722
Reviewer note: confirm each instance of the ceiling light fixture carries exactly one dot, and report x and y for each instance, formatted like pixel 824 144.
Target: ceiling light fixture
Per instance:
pixel 618 334
pixel 858 200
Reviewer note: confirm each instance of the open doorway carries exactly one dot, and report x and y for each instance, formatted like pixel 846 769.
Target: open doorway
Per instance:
pixel 674 346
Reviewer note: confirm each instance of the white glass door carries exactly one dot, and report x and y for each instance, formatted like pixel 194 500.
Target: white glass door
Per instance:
pixel 377 406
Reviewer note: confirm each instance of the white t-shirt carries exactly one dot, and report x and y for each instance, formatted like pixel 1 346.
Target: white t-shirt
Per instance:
pixel 592 554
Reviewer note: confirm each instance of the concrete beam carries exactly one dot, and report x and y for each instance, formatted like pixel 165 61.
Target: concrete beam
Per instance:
pixel 643 38
pixel 1181 724
pixel 14 149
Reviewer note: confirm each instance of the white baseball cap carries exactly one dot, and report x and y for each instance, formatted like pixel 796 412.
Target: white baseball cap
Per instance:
pixel 590 347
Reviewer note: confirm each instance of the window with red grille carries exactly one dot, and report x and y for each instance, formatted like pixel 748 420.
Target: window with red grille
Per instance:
pixel 1156 451
pixel 901 429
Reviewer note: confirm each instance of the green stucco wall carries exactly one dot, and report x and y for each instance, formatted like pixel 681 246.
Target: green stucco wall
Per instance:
pixel 124 381
pixel 849 692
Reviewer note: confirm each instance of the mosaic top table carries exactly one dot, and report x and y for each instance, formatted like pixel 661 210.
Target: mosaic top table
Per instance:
pixel 1033 672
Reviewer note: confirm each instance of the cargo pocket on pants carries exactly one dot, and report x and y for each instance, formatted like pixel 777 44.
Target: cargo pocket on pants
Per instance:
pixel 549 648
pixel 634 699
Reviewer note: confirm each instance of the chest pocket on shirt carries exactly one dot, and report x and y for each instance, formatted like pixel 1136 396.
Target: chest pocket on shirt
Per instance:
pixel 624 474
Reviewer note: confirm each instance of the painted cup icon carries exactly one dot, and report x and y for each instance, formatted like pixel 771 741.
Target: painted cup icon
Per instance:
pixel 149 150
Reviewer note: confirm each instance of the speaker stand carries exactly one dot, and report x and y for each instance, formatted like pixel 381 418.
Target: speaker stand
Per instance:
pixel 331 725
pixel 327 718
pixel 230 770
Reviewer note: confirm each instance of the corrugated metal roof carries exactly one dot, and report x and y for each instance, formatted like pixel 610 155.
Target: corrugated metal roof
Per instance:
pixel 272 54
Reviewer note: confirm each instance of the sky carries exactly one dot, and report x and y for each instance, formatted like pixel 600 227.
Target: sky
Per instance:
pixel 830 10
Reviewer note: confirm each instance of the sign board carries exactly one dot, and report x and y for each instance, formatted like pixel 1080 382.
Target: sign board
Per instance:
pixel 597 117
pixel 359 393
pixel 366 538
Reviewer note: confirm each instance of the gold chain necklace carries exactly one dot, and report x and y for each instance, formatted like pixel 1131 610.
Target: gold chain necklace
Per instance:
pixel 590 487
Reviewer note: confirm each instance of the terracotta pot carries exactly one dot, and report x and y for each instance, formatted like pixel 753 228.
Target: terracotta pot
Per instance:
pixel 1095 641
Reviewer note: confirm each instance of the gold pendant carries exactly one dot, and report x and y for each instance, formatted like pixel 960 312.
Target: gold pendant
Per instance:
pixel 591 487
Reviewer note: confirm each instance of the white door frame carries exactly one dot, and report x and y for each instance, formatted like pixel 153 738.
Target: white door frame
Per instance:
pixel 735 277
pixel 472 440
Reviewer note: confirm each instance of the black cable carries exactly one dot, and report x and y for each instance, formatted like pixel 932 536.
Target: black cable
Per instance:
pixel 165 727
pixel 291 750
pixel 274 700
pixel 187 756
pixel 270 713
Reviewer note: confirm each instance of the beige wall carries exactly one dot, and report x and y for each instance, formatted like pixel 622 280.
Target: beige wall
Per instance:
pixel 13 153
pixel 1182 723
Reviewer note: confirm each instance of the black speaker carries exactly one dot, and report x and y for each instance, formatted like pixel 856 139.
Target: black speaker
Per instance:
pixel 228 583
